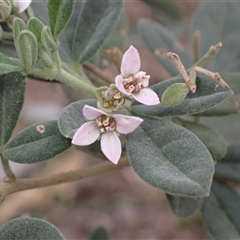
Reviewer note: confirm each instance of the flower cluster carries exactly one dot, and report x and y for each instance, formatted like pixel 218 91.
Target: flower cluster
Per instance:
pixel 105 125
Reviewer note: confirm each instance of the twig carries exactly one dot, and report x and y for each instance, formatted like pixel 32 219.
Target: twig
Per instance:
pixel 177 62
pixel 26 184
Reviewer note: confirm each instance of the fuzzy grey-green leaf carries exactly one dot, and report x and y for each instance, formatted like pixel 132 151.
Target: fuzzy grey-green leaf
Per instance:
pixel 18 26
pixel 27 48
pixel 208 94
pixel 220 212
pixel 84 34
pixel 170 158
pixel 174 94
pixel 71 118
pixel 184 206
pixel 211 138
pixel 28 229
pixel 12 90
pixel 35 26
pixel 59 13
pixel 37 143
pixel 8 65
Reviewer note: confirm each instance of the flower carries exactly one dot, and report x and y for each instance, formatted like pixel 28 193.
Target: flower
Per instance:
pixel 107 127
pixel 110 98
pixel 133 82
pixel 21 5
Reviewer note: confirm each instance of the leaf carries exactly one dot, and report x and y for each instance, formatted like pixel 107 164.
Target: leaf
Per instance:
pixel 211 138
pixel 174 94
pixel 208 94
pixel 160 41
pixel 27 48
pixel 170 158
pixel 71 118
pixel 221 210
pixel 18 26
pixel 183 206
pixel 99 233
pixel 59 14
pixel 221 27
pixel 88 28
pixel 28 229
pixel 230 105
pixel 12 89
pixel 37 143
pixel 8 65
pixel 229 167
pixel 35 26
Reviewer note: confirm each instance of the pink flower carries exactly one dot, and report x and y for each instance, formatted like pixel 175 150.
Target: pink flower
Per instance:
pixel 107 127
pixel 21 5
pixel 133 82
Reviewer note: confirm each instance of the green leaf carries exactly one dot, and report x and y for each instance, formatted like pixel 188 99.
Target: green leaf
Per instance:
pixel 170 158
pixel 88 28
pixel 221 27
pixel 59 14
pixel 229 167
pixel 230 105
pixel 160 41
pixel 8 65
pixel 27 48
pixel 37 143
pixel 18 26
pixel 221 210
pixel 35 26
pixel 28 229
pixel 71 118
pixel 211 138
pixel 183 206
pixel 174 94
pixel 208 94
pixel 12 89
pixel 99 233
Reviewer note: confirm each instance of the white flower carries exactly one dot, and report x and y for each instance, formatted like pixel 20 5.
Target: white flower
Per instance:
pixel 133 82
pixel 107 127
pixel 21 5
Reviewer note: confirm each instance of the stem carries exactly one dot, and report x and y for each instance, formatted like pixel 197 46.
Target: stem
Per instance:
pixel 64 77
pixel 98 72
pixel 213 50
pixel 7 169
pixel 26 184
pixel 175 59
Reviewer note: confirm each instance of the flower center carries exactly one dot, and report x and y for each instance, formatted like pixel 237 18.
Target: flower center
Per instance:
pixel 111 98
pixel 105 123
pixel 132 84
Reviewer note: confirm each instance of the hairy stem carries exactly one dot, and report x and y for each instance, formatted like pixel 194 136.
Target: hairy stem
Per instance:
pixel 65 77
pixel 26 184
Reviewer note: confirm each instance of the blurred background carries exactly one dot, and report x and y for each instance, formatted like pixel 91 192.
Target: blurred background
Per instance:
pixel 120 201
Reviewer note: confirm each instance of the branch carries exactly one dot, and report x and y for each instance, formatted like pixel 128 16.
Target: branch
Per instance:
pixel 30 183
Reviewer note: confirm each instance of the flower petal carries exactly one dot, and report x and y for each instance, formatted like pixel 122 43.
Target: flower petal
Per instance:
pixel 22 5
pixel 144 78
pixel 111 146
pixel 126 124
pixel 91 113
pixel 130 62
pixel 87 134
pixel 119 83
pixel 147 96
